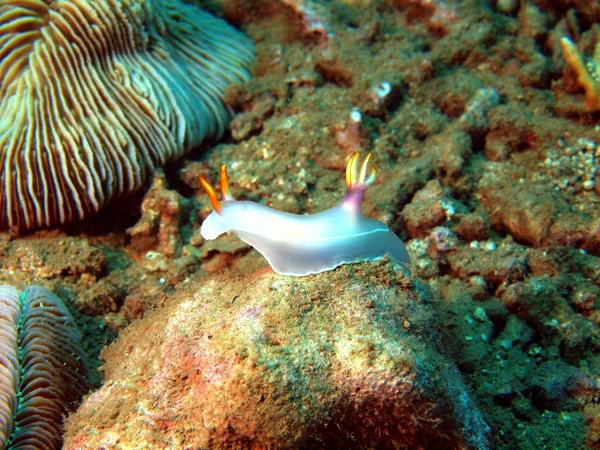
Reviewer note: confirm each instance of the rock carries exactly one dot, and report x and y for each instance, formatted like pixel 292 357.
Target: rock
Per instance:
pixel 343 359
pixel 162 211
pixel 430 207
pixel 497 264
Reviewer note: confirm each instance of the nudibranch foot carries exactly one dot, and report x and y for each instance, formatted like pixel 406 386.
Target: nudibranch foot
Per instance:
pixel 287 259
pixel 304 244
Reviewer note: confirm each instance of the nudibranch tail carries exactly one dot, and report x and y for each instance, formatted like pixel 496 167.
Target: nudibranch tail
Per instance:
pixel 360 177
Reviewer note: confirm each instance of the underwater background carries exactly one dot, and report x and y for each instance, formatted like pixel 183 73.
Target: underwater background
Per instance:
pixel 483 120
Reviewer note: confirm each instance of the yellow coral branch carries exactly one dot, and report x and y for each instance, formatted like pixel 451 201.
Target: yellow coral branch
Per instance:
pixel 587 75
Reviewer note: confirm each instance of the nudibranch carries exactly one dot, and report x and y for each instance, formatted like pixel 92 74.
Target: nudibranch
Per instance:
pixel 305 244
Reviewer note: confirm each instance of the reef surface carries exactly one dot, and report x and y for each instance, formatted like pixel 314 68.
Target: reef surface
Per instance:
pixel 342 359
pixel 488 169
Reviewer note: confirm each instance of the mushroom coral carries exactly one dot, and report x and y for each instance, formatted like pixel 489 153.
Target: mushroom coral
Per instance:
pixel 94 94
pixel 42 366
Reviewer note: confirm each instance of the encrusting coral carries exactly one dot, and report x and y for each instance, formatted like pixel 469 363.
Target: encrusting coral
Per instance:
pixel 588 74
pixel 94 94
pixel 42 368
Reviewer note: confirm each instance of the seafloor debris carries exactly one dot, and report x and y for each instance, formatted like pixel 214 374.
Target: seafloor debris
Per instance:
pixel 573 167
pixel 351 137
pixel 95 95
pixel 42 366
pixel 475 116
pixel 343 359
pixel 313 18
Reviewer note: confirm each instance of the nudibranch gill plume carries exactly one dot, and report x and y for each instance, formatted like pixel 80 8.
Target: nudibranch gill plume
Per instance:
pixel 305 244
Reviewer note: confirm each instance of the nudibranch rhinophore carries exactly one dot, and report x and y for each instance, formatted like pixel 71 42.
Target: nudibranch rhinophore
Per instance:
pixel 301 245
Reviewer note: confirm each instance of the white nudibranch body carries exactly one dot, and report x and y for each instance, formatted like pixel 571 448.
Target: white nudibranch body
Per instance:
pixel 301 245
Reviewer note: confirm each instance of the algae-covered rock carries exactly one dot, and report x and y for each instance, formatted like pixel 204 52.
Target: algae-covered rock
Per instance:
pixel 343 359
